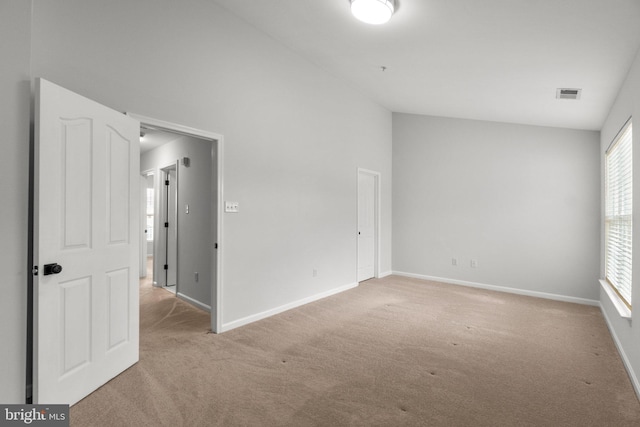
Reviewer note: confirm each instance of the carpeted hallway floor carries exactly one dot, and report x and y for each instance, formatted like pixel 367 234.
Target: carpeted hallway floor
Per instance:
pixel 391 352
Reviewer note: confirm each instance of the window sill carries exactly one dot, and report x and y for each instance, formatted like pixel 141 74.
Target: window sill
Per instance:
pixel 620 306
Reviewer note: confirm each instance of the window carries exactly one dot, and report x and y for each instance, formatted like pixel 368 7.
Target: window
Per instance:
pixel 149 214
pixel 618 214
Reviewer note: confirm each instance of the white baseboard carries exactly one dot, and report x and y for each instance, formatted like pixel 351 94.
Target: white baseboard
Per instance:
pixel 537 294
pixel 623 355
pixel 192 301
pixel 385 274
pixel 268 313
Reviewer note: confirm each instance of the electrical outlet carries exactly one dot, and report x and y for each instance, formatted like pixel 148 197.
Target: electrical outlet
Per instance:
pixel 474 263
pixel 196 276
pixel 454 262
pixel 232 207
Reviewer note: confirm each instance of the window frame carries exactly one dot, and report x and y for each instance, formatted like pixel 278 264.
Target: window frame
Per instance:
pixel 622 199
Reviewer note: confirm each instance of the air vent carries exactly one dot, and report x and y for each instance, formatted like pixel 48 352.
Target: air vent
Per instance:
pixel 568 93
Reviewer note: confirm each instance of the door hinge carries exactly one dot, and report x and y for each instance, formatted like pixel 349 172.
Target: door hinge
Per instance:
pixel 166 182
pixel 166 225
pixel 215 246
pixel 34 270
pixel 166 266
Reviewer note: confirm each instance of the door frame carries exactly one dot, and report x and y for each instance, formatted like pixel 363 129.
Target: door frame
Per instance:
pixel 377 177
pixel 216 197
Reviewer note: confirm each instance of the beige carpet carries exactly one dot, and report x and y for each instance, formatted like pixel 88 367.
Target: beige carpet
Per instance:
pixel 392 352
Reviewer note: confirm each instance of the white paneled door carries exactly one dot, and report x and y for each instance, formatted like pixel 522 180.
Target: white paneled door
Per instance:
pixel 86 225
pixel 367 225
pixel 171 261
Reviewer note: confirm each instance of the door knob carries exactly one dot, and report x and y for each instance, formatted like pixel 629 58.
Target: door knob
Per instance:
pixel 52 269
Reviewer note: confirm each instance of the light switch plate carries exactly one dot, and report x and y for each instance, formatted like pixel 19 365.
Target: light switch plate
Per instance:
pixel 231 207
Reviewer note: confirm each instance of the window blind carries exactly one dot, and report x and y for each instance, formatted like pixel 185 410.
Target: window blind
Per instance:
pixel 618 213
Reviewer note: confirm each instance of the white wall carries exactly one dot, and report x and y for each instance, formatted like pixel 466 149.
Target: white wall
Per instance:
pixel 626 333
pixel 195 245
pixel 522 200
pixel 294 136
pixel 15 27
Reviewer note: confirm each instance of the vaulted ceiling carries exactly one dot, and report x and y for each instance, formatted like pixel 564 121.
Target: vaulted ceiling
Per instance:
pixel 495 60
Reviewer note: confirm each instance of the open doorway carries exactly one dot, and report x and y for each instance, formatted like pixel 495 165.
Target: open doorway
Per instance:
pixel 183 171
pixel 159 219
pixel 183 240
pixel 147 226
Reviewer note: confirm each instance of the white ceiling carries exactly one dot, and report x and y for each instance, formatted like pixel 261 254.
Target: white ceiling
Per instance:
pixel 496 60
pixel 154 138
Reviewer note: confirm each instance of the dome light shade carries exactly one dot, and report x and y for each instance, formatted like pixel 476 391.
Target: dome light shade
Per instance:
pixel 372 11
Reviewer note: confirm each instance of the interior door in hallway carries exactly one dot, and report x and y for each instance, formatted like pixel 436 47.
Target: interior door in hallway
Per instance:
pixel 86 223
pixel 367 224
pixel 171 226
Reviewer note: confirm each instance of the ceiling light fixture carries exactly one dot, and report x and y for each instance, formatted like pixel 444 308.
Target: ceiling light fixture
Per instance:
pixel 373 11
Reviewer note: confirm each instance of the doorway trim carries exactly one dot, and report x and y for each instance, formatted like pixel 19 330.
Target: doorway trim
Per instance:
pixel 377 176
pixel 217 227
